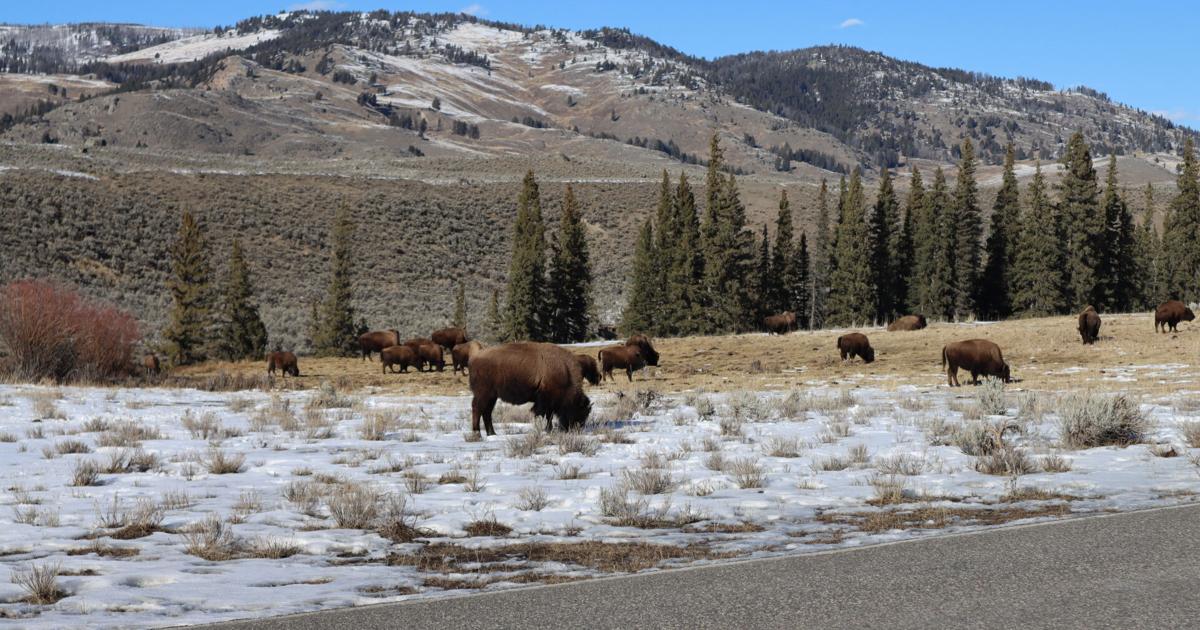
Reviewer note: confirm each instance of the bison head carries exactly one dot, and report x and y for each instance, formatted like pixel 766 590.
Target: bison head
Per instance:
pixel 1188 315
pixel 1006 373
pixel 574 413
pixel 642 343
pixel 868 354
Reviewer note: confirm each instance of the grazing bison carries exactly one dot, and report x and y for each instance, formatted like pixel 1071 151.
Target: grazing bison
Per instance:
pixel 908 322
pixel 449 337
pixel 780 324
pixel 428 352
pixel 403 356
pixel 1170 313
pixel 642 342
pixel 977 356
pixel 150 363
pixel 628 358
pixel 376 341
pixel 856 344
pixel 1089 325
pixel 588 368
pixel 284 362
pixel 460 355
pixel 606 332
pixel 518 373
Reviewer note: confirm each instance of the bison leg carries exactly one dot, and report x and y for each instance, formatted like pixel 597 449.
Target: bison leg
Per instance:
pixel 482 407
pixel 974 377
pixel 952 376
pixel 629 373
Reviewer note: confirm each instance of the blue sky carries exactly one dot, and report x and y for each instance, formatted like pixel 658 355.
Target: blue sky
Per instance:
pixel 1141 54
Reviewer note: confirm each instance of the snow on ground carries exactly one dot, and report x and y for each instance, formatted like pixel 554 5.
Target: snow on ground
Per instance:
pixel 198 47
pixel 820 450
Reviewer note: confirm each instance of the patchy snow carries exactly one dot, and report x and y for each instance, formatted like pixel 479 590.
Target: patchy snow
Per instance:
pixel 288 444
pixel 480 38
pixel 198 47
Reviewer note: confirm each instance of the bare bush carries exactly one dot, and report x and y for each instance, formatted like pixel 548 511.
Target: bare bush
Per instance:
pixel 1055 463
pixel 747 472
pixel 1089 420
pixel 354 506
pixel 991 397
pixel 205 426
pixel 1006 461
pixel 889 489
pixel 901 464
pixel 1191 433
pixel 525 444
pixel 85 473
pixel 576 442
pixel 532 498
pixel 648 480
pixel 211 539
pixel 273 548
pixel 783 447
pixel 40 583
pixel 377 424
pixel 221 463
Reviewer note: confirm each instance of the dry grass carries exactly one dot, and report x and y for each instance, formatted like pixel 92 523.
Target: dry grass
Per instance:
pixel 1088 420
pixel 1007 462
pixel 747 472
pixel 40 583
pixel 354 506
pixel 934 517
pixel 607 557
pixel 211 539
pixel 487 527
pixel 219 462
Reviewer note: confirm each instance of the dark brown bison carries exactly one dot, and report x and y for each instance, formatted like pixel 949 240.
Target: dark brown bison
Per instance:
pixel 977 356
pixel 780 324
pixel 284 362
pixel 403 356
pixel 1170 313
pixel 428 353
pixel 588 368
pixel 449 337
pixel 151 364
pixel 518 373
pixel 853 345
pixel 376 341
pixel 460 355
pixel 628 358
pixel 642 342
pixel 908 322
pixel 606 332
pixel 1089 325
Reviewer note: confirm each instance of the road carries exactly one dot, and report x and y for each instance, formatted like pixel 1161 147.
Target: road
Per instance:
pixel 1132 570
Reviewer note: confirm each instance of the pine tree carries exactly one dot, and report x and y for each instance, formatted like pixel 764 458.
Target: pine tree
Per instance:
pixel 1181 238
pixel 1119 268
pixel 995 294
pixel 935 253
pixel 685 274
pixel 819 262
pixel 187 333
pixel 665 251
pixel 916 231
pixel 763 286
pixel 968 226
pixel 459 320
pixel 851 301
pixel 570 281
pixel 728 254
pixel 242 334
pixel 495 317
pixel 1148 248
pixel 881 235
pixel 782 289
pixel 525 299
pixel 1038 279
pixel 1082 224
pixel 638 316
pixel 337 334
pixel 798 282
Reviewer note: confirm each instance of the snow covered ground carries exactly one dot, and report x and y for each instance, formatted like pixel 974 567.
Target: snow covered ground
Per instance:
pixel 258 483
pixel 196 47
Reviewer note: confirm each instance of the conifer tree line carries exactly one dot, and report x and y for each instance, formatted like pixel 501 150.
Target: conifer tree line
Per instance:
pixel 1044 250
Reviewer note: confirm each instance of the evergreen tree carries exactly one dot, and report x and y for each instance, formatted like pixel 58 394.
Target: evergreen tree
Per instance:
pixel 819 262
pixel 337 333
pixel 782 289
pixel 1119 268
pixel 1181 238
pixel 728 254
pixel 936 252
pixel 1082 225
pixel 685 273
pixel 665 251
pixel 187 333
pixel 570 281
pixel 798 282
pixel 852 299
pixel 968 234
pixel 242 334
pixel 916 232
pixel 1038 279
pixel 638 316
pixel 495 317
pixel 881 235
pixel 525 299
pixel 459 320
pixel 1148 246
pixel 995 294
pixel 763 286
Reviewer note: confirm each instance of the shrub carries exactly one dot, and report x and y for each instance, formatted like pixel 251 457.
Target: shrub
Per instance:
pixel 1006 461
pixel 354 506
pixel 40 583
pixel 648 480
pixel 86 473
pixel 532 498
pixel 53 332
pixel 1088 420
pixel 211 539
pixel 747 472
pixel 991 397
pixel 221 463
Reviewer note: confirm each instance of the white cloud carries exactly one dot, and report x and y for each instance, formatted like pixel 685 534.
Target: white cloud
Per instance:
pixel 474 9
pixel 850 23
pixel 317 5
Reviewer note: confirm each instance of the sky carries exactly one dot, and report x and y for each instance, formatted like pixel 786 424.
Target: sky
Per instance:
pixel 1142 55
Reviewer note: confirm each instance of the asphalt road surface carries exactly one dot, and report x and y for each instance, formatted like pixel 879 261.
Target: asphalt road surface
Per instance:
pixel 1132 570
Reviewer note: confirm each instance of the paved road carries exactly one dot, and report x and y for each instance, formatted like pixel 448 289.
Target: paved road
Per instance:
pixel 1134 570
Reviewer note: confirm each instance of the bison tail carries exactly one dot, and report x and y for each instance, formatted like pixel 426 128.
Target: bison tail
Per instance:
pixel 943 358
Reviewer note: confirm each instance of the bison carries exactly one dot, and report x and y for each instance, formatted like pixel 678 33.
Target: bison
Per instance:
pixel 977 356
pixel 606 332
pixel 428 352
pixel 284 362
pixel 1170 313
pixel 780 324
pixel 855 344
pixel 642 342
pixel 460 355
pixel 403 356
pixel 628 358
pixel 522 372
pixel 1089 325
pixel 589 368
pixel 908 322
pixel 151 364
pixel 376 341
pixel 449 337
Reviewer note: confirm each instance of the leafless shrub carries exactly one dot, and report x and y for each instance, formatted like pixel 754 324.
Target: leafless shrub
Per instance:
pixel 273 548
pixel 487 527
pixel 128 433
pixel 305 495
pixel 1191 433
pixel 175 500
pixel 831 463
pixel 731 426
pixel 889 489
pixel 1088 420
pixel 354 506
pixel 278 412
pixel 85 473
pixel 72 447
pixel 1005 461
pixel 532 498
pixel 376 425
pixel 705 408
pixel 204 426
pixel 249 502
pixel 747 472
pixel 859 455
pixel 748 407
pixel 40 583
pixel 126 460
pixel 7 438
pixel 328 397
pixel 569 471
pixel 900 464
pixel 211 539
pixel 648 480
pixel 221 463
pixel 397 523
pixel 415 482
pixel 715 461
pixel 576 442
pixel 991 397
pixel 475 481
pixel 238 404
pixel 46 409
pixel 525 444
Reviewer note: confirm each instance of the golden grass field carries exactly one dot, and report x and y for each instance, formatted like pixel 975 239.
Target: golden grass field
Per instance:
pixel 1045 354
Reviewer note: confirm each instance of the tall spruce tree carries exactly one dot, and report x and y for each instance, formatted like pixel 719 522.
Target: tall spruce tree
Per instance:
pixel 459 319
pixel 638 316
pixel 935 252
pixel 819 261
pixel 782 289
pixel 852 299
pixel 337 333
pixel 968 235
pixel 495 317
pixel 762 283
pixel 1181 238
pixel 917 231
pixel 187 333
pixel 1038 279
pixel 665 244
pixel 728 254
pixel 570 282
pixel 241 334
pixel 525 297
pixel 1119 269
pixel 1082 224
pixel 881 235
pixel 798 282
pixel 1147 246
pixel 995 292
pixel 685 274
